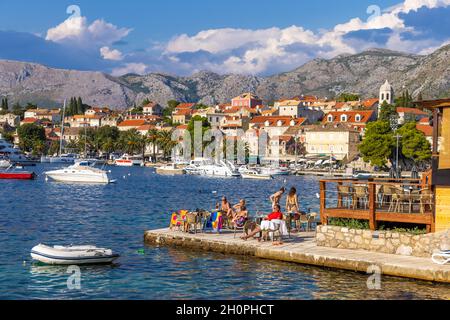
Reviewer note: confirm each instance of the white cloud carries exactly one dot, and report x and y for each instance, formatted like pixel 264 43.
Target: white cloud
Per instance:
pixel 138 68
pixel 111 54
pixel 76 30
pixel 257 51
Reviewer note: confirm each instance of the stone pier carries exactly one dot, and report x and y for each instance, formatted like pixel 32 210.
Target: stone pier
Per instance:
pixel 302 249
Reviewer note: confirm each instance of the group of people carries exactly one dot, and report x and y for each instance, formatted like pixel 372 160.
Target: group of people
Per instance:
pixel 238 214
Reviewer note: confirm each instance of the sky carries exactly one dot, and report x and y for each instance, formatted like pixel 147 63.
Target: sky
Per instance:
pixel 183 37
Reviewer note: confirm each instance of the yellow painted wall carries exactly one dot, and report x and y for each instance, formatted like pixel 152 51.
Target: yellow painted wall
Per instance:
pixel 442 208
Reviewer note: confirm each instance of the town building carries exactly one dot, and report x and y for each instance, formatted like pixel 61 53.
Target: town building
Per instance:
pixel 53 115
pixel 276 126
pixel 81 121
pixel 11 119
pixel 131 124
pixel 339 141
pixel 298 109
pixel 152 109
pixel 410 114
pixel 249 100
pixel 356 119
pixel 386 93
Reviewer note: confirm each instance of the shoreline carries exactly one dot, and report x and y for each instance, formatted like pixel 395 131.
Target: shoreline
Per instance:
pixel 302 249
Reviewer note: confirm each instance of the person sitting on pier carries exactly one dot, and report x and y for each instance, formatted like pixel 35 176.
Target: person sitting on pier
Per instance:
pixel 276 197
pixel 226 208
pixel 241 217
pixel 275 215
pixel 238 208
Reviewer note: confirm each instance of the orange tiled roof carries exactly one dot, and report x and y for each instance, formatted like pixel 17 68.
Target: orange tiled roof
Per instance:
pixel 426 129
pixel 132 123
pixel 351 115
pixel 411 111
pixel 182 127
pixel 30 120
pixel 185 106
pixel 425 120
pixel 146 127
pixel 369 103
pixel 183 112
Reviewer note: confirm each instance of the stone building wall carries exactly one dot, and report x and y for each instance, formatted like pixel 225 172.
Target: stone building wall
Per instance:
pixel 383 241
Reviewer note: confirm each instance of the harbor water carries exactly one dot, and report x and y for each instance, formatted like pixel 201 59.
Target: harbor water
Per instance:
pixel 116 215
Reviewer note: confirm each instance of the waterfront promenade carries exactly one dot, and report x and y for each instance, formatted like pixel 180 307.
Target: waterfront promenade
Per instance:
pixel 302 249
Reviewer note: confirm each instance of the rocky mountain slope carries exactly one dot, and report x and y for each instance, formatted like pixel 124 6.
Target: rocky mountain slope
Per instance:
pixel 362 73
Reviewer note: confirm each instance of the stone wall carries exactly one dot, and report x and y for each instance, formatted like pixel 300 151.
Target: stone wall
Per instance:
pixel 383 241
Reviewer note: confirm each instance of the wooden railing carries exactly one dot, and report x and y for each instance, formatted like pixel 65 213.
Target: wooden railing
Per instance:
pixel 381 200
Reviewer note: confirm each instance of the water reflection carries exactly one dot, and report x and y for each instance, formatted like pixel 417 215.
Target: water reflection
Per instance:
pixel 117 215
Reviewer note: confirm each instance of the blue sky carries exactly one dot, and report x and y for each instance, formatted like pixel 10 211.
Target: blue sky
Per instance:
pixel 182 37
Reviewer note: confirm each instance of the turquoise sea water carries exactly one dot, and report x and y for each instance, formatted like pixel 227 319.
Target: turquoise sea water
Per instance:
pixel 116 216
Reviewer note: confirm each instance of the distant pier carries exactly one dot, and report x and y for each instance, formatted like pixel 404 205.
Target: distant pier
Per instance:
pixel 302 249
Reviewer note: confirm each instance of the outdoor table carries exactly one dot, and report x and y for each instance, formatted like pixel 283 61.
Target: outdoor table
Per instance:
pixel 274 224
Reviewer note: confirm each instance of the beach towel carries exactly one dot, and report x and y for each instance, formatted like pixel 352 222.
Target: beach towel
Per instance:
pixel 215 222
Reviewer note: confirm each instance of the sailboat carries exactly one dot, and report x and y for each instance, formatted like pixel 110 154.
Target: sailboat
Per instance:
pixel 62 158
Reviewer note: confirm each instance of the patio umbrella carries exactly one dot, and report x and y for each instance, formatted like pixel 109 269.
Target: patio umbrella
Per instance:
pixel 414 172
pixel 392 173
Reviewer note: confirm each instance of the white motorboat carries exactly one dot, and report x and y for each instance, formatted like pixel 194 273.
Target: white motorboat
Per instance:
pixel 206 167
pixel 171 169
pixel 81 172
pixel 253 174
pixel 129 161
pixel 274 171
pixel 12 153
pixel 72 255
pixel 64 158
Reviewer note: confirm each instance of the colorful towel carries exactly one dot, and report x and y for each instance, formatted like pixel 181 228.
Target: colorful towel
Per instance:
pixel 215 222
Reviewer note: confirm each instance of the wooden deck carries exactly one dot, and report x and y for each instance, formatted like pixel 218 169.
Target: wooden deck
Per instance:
pixel 303 249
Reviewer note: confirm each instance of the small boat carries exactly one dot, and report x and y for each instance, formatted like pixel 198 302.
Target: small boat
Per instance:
pixel 13 173
pixel 64 158
pixel 275 171
pixel 82 172
pixel 362 176
pixel 170 169
pixel 253 174
pixel 129 161
pixel 4 163
pixel 72 255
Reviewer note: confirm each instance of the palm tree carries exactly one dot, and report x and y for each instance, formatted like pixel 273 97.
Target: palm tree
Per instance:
pixel 152 138
pixel 166 143
pixel 131 141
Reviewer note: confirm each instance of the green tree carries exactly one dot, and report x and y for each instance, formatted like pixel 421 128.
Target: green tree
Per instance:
pixel 405 100
pixel 30 135
pixel 130 141
pixel 414 145
pixel 18 110
pixel 171 105
pixel 378 143
pixel 53 148
pixel 4 105
pixel 387 111
pixel 344 97
pixel 153 136
pixel 166 143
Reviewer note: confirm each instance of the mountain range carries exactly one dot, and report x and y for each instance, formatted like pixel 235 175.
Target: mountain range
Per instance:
pixel 361 73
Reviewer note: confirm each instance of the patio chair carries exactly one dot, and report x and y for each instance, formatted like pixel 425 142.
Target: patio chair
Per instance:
pixel 389 192
pixel 400 197
pixel 312 220
pixel 426 199
pixel 244 227
pixel 191 222
pixel 345 194
pixel 361 196
pixel 304 222
pixel 442 257
pixel 272 233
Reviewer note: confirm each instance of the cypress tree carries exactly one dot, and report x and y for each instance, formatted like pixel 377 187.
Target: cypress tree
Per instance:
pixel 80 106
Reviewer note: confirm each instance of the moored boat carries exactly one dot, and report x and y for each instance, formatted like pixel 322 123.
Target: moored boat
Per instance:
pixel 170 169
pixel 253 174
pixel 72 255
pixel 129 161
pixel 81 172
pixel 13 173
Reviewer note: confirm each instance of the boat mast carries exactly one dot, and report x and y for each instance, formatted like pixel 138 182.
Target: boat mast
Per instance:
pixel 62 129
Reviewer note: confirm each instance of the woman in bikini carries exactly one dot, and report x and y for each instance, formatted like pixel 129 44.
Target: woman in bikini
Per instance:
pixel 292 207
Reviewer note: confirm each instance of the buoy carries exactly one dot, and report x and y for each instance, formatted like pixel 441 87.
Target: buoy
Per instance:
pixel 214 192
pixel 141 251
pixel 124 177
pixel 129 174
